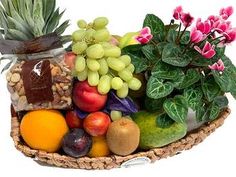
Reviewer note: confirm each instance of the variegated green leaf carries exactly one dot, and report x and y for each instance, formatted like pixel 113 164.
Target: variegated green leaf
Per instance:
pixel 150 52
pixel 173 55
pixel 157 88
pixel 177 108
pixel 192 76
pixel 193 97
pixel 165 71
pixel 164 121
pixel 156 25
pixel 210 88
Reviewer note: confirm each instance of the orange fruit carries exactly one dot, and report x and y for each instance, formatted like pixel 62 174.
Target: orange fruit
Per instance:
pixel 43 129
pixel 99 147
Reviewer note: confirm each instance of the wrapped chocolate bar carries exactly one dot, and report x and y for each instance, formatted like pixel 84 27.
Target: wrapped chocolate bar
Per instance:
pixel 39 79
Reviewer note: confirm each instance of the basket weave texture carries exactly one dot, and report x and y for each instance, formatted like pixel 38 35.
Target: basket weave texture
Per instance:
pixel 191 139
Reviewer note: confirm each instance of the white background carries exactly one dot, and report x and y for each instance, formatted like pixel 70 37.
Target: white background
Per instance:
pixel 214 157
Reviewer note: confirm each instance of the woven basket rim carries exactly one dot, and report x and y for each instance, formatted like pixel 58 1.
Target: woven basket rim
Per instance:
pixel 55 159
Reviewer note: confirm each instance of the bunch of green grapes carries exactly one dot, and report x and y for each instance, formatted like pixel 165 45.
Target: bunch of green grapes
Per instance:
pixel 101 62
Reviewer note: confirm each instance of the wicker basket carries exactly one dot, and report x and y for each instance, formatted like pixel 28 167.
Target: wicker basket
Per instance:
pixel 191 139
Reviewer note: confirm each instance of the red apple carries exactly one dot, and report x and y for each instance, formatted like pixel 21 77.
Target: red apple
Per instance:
pixel 87 97
pixel 96 124
pixel 72 120
pixel 69 59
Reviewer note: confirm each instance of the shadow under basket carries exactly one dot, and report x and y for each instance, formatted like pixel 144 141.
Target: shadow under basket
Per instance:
pixel 55 159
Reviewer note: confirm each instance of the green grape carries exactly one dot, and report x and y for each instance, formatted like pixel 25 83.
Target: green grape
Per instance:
pixel 116 83
pixel 105 44
pixel 82 76
pixel 80 64
pixel 93 78
pixel 74 72
pixel 82 24
pixel 95 51
pixel 78 35
pixel 103 67
pixel 93 64
pixel 90 25
pixel 125 74
pixel 126 59
pixel 100 22
pixel 115 64
pixel 102 35
pixel 104 84
pixel 112 51
pixel 123 92
pixel 89 34
pixel 79 47
pixel 131 68
pixel 115 115
pixel 134 84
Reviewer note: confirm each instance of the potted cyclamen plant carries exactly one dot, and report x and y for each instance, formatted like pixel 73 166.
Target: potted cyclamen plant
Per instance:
pixel 185 70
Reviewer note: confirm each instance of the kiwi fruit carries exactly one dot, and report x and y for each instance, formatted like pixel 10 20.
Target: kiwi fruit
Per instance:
pixel 123 136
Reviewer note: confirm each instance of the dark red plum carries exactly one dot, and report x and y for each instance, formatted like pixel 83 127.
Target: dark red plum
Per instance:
pixel 77 143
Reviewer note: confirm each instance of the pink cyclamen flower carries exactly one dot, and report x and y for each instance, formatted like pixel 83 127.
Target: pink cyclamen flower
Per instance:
pixel 222 26
pixel 196 36
pixel 144 36
pixel 230 35
pixel 186 19
pixel 219 66
pixel 225 13
pixel 177 12
pixel 204 27
pixel 213 19
pixel 208 51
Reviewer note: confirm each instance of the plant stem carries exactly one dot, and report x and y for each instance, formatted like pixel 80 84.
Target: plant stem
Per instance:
pixel 187 46
pixel 168 30
pixel 216 39
pixel 153 42
pixel 182 33
pixel 220 41
pixel 180 25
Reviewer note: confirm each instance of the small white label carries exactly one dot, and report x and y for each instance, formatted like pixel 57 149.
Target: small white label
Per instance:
pixel 136 161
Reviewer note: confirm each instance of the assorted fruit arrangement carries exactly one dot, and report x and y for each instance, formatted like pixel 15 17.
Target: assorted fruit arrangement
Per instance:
pixel 116 94
pixel 99 59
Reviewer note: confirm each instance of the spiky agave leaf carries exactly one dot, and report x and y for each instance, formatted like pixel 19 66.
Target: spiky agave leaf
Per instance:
pixel 27 19
pixel 32 18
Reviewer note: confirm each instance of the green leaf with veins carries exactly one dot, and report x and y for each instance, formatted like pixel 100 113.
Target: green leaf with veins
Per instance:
pixel 165 71
pixel 150 52
pixel 193 97
pixel 164 121
pixel 172 54
pixel 154 23
pixel 221 101
pixel 171 36
pixel 140 64
pixel 157 88
pixel 210 88
pixel 192 76
pixel 214 111
pixel 154 105
pixel 177 108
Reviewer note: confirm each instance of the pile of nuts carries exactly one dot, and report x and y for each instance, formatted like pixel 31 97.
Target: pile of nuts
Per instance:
pixel 61 88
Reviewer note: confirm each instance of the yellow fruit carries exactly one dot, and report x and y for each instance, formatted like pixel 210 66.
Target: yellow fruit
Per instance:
pixel 128 39
pixel 43 129
pixel 99 147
